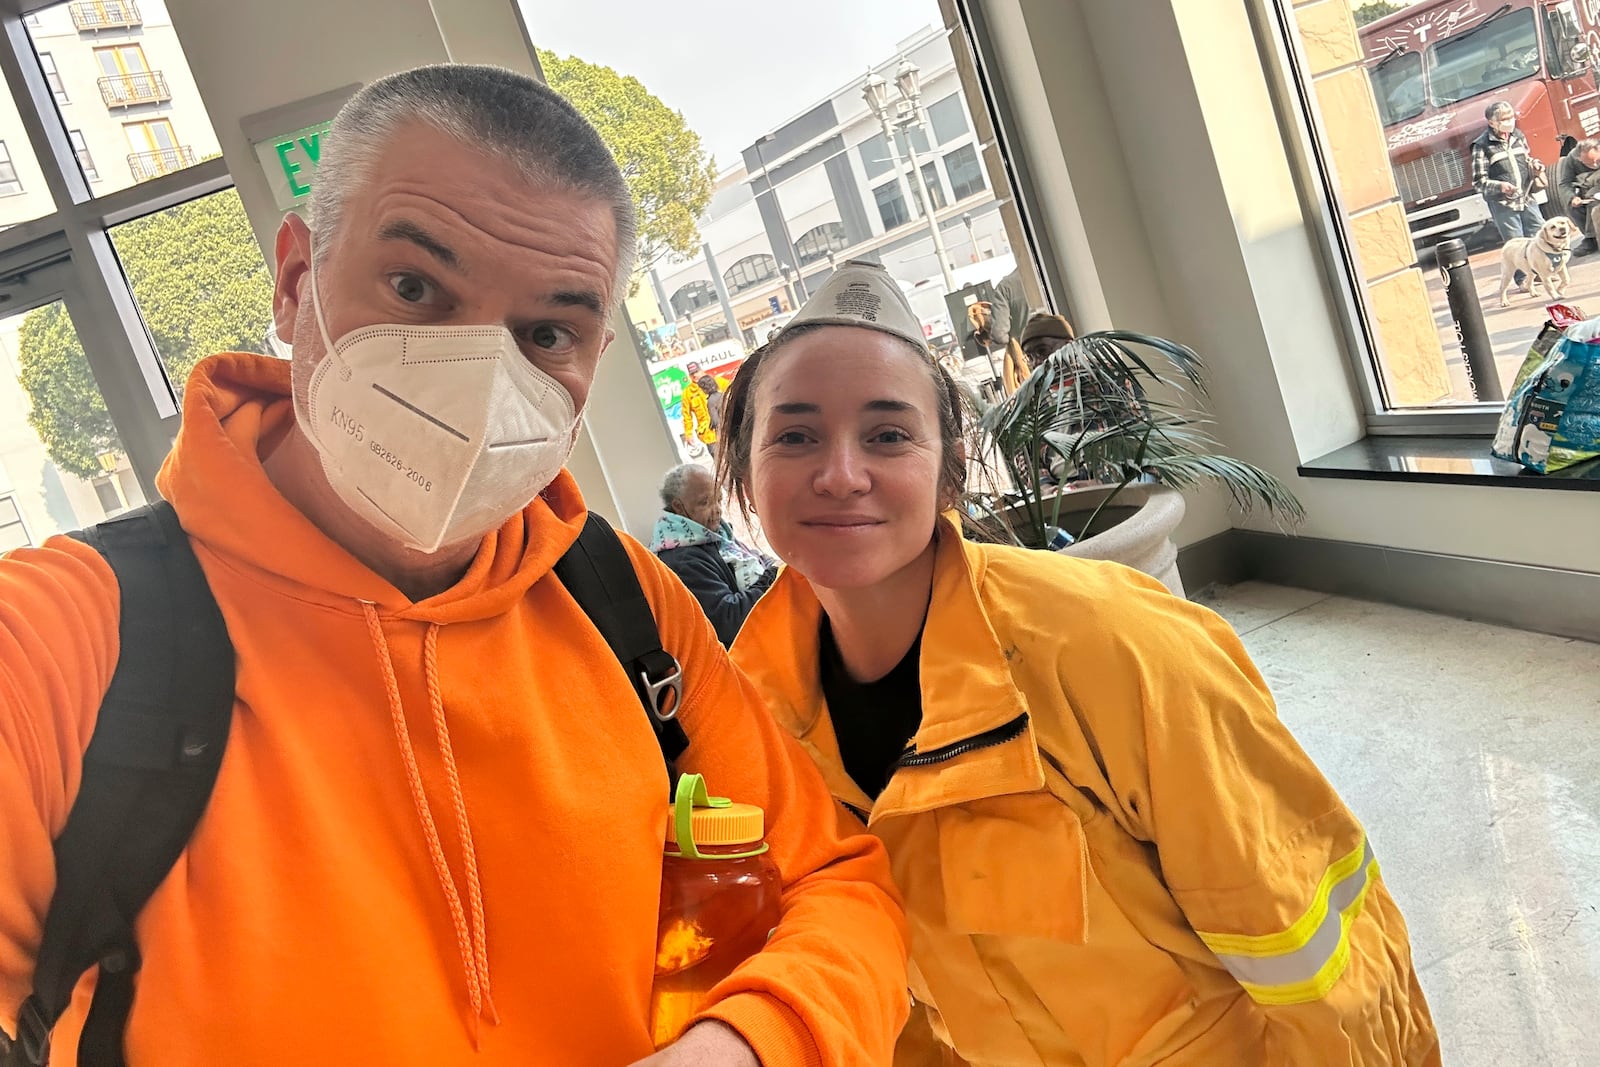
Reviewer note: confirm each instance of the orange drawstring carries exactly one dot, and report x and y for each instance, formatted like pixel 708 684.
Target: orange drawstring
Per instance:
pixel 471 939
pixel 480 937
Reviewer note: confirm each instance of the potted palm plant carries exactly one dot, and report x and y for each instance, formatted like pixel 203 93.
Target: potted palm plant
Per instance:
pixel 1089 455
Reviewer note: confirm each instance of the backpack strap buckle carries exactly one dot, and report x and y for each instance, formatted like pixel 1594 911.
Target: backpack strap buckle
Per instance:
pixel 661 682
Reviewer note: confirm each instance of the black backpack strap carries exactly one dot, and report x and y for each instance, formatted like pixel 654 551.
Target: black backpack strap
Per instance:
pixel 599 574
pixel 147 775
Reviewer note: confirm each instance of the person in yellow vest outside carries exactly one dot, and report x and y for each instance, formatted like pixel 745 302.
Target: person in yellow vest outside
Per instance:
pixel 697 413
pixel 1111 850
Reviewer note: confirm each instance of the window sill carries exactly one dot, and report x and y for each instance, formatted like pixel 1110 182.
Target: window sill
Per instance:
pixel 1442 461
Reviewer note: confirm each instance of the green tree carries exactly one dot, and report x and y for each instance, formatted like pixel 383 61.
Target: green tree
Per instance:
pixel 666 167
pixel 1375 10
pixel 201 287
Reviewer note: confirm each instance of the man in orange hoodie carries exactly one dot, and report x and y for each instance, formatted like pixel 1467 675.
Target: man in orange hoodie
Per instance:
pixel 437 831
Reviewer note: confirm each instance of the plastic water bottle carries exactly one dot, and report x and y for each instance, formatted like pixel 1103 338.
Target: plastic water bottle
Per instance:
pixel 720 900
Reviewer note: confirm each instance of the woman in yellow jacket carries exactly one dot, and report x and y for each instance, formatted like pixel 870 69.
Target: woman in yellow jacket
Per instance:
pixel 1111 850
pixel 697 422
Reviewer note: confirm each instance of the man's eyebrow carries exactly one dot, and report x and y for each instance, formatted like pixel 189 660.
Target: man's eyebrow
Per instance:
pixel 401 230
pixel 583 298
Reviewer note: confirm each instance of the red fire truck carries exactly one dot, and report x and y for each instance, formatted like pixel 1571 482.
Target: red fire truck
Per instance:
pixel 1438 64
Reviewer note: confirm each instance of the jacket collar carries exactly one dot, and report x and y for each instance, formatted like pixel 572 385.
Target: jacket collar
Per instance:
pixel 967 688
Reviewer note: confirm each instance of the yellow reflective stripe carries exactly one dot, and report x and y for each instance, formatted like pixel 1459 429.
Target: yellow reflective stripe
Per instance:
pixel 1318 986
pixel 1299 935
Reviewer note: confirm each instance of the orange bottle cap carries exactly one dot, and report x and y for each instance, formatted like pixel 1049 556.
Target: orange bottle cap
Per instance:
pixel 737 824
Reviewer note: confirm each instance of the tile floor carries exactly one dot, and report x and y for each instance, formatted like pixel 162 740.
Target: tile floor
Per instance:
pixel 1472 753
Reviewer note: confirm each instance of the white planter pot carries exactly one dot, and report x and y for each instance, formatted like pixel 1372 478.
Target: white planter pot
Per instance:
pixel 1143 539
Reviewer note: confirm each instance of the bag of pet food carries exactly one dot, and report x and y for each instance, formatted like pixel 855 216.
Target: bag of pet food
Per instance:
pixel 1552 420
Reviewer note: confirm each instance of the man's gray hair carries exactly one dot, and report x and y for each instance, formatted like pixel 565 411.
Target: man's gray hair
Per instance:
pixel 676 482
pixel 1498 106
pixel 1588 144
pixel 503 114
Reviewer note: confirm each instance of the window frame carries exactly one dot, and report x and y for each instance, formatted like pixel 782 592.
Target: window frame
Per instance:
pixel 9 164
pixel 71 246
pixel 741 277
pixel 10 497
pixel 935 183
pixel 883 166
pixel 830 237
pixel 145 126
pixel 52 77
pixel 694 303
pixel 1300 119
pixel 899 197
pixel 84 156
pixel 961 113
pixel 122 68
pixel 971 148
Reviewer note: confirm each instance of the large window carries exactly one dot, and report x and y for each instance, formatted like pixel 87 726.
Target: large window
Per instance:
pixel 966 173
pixel 874 153
pixel 948 119
pixel 692 297
pixel 1430 74
pixel 95 352
pixel 148 121
pixel 891 206
pixel 815 244
pixel 819 160
pixel 1398 85
pixel 750 272
pixel 1487 57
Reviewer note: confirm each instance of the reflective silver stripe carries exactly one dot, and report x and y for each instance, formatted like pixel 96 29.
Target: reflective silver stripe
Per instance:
pixel 1306 962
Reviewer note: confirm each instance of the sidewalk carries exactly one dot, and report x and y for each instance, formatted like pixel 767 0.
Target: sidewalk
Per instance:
pixel 1512 329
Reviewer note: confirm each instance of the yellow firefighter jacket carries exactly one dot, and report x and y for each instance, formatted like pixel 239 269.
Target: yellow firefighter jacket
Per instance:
pixel 1111 850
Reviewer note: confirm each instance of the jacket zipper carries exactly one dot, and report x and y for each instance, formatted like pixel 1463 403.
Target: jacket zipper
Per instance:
pixel 988 739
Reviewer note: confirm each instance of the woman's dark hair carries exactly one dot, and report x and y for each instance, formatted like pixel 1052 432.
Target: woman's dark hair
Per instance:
pixel 737 435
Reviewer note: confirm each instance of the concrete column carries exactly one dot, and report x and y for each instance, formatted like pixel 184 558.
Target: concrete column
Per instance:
pixel 722 294
pixel 626 447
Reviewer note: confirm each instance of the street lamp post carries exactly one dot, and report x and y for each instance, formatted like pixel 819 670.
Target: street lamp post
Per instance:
pixel 907 81
pixel 789 280
pixel 783 223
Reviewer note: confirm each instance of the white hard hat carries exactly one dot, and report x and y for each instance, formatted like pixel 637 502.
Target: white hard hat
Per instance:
pixel 861 294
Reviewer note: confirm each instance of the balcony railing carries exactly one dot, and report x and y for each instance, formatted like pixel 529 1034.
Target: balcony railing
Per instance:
pixel 147 165
pixel 89 15
pixel 126 90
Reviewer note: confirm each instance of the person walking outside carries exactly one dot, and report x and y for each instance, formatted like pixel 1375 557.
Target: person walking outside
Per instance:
pixel 697 424
pixel 1506 175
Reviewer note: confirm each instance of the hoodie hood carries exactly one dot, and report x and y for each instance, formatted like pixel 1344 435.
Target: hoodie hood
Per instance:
pixel 679 531
pixel 236 410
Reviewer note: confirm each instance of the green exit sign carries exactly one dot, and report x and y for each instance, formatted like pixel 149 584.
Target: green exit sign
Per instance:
pixel 290 163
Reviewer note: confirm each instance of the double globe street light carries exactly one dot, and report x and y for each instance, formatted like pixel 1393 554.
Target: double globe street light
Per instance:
pixel 907 116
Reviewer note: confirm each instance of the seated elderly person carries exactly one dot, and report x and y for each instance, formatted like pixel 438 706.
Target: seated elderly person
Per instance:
pixel 693 540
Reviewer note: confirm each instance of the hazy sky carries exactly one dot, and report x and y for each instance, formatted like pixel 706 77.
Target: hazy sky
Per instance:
pixel 735 69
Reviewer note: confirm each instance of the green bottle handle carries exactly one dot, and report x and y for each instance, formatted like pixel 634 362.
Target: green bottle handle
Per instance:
pixel 692 793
